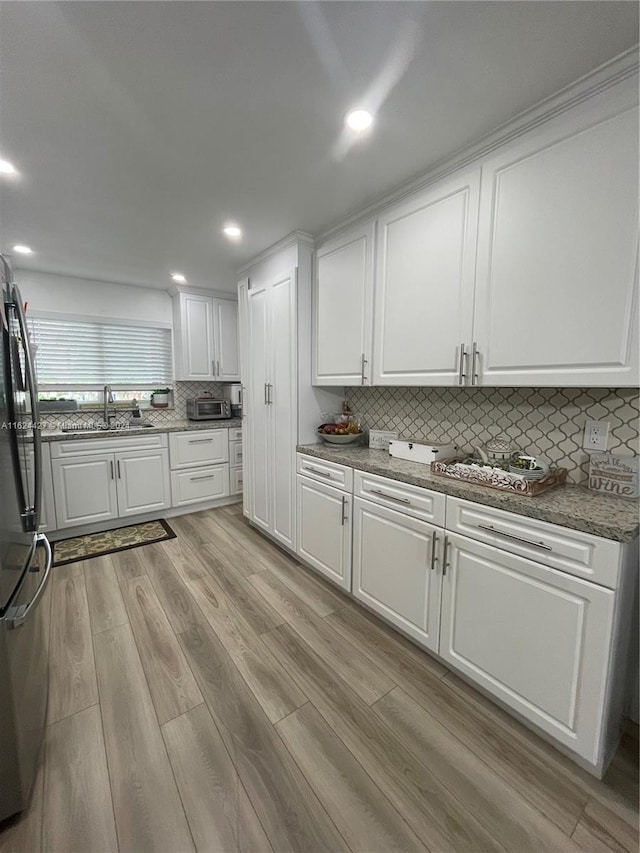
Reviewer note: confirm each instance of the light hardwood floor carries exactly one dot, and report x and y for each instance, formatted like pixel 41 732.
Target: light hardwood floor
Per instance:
pixel 210 693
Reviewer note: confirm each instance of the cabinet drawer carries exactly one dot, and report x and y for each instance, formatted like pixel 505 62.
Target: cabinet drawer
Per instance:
pixel 579 554
pixel 235 434
pixel 412 500
pixel 235 481
pixel 235 453
pixel 107 442
pixel 340 476
pixel 200 447
pixel 201 484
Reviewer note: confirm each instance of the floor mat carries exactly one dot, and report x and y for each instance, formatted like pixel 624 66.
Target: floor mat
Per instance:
pixel 120 539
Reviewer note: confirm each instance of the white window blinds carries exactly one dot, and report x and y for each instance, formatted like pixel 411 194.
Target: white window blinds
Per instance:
pixel 83 354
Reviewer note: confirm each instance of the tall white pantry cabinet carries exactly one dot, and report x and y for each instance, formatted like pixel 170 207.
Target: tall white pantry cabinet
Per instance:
pixel 281 408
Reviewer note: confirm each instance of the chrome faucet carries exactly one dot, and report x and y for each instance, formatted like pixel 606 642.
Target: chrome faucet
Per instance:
pixel 107 397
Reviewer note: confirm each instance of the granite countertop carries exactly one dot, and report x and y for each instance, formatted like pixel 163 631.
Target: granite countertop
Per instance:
pixel 570 506
pixel 170 426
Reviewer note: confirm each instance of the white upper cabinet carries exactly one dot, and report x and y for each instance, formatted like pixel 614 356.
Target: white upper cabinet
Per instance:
pixel 206 337
pixel 225 339
pixel 343 308
pixel 424 284
pixel 521 270
pixel 557 257
pixel 194 336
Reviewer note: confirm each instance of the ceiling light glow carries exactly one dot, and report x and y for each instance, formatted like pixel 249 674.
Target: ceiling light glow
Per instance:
pixel 179 277
pixel 7 168
pixel 359 120
pixel 232 230
pixel 22 250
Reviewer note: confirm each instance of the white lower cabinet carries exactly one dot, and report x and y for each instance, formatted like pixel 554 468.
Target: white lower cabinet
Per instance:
pixel 99 479
pixel 142 481
pixel 85 489
pixel 536 638
pixel 395 560
pixel 199 466
pixel 199 484
pixel 324 529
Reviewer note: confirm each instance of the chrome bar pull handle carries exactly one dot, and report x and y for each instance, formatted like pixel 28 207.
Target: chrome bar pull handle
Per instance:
pixel 445 561
pixel 266 394
pixel 390 497
pixel 463 358
pixel 344 510
pixel 111 464
pixel 475 352
pixel 491 529
pixel 363 362
pixel 118 467
pixel 434 545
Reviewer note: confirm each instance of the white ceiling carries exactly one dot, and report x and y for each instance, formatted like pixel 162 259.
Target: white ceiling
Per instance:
pixel 139 128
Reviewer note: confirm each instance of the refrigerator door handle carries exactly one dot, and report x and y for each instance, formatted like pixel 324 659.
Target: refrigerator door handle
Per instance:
pixel 31 515
pixel 18 617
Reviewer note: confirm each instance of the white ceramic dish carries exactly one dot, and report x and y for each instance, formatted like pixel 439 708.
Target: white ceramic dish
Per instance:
pixel 341 439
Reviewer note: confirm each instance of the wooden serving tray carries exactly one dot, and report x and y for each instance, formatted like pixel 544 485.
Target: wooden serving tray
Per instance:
pixel 495 478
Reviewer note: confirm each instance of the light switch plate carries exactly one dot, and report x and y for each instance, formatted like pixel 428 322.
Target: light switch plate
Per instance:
pixel 379 439
pixel 596 435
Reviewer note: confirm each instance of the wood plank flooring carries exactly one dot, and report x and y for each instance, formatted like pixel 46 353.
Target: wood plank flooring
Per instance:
pixel 210 693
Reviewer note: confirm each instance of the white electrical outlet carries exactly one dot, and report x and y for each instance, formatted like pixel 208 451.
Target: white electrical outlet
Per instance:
pixel 379 439
pixel 596 434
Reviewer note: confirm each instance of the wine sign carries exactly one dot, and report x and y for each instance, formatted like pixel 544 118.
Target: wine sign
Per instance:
pixel 614 475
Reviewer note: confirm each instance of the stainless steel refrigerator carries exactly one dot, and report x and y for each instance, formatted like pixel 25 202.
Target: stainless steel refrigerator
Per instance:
pixel 25 560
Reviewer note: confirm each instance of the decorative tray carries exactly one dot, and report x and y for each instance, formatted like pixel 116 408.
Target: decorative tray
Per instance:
pixel 496 478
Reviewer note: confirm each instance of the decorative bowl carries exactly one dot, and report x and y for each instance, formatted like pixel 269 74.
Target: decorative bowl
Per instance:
pixel 349 438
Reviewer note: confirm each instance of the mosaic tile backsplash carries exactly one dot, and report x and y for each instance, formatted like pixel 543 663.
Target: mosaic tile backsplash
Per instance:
pixel 545 421
pixel 181 392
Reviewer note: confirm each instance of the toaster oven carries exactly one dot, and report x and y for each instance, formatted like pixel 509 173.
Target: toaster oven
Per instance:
pixel 207 409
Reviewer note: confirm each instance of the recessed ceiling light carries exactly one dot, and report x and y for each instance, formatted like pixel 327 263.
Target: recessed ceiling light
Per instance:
pixel 7 168
pixel 232 230
pixel 22 250
pixel 179 277
pixel 359 119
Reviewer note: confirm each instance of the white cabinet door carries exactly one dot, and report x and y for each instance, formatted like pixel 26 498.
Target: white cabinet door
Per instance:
pixel 324 530
pixel 225 325
pixel 394 570
pixel 342 309
pixel 245 358
pixel 198 447
pixel 196 339
pixel 425 272
pixel 259 444
pixel 536 638
pixel 282 407
pixel 556 300
pixel 84 489
pixel 142 479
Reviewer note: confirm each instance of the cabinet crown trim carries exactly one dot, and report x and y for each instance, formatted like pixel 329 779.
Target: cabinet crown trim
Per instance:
pixel 289 240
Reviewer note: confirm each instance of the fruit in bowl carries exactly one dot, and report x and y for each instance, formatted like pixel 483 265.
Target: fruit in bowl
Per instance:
pixel 344 432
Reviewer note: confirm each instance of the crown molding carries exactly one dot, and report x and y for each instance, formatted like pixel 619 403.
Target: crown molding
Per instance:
pixel 175 289
pixel 595 82
pixel 290 240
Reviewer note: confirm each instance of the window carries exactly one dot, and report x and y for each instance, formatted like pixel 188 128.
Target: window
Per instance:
pixel 84 355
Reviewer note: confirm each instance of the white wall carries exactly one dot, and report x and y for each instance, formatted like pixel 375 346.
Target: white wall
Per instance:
pixel 69 295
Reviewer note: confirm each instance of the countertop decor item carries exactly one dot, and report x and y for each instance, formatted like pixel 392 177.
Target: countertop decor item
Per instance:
pixel 614 475
pixel 346 438
pixel 497 478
